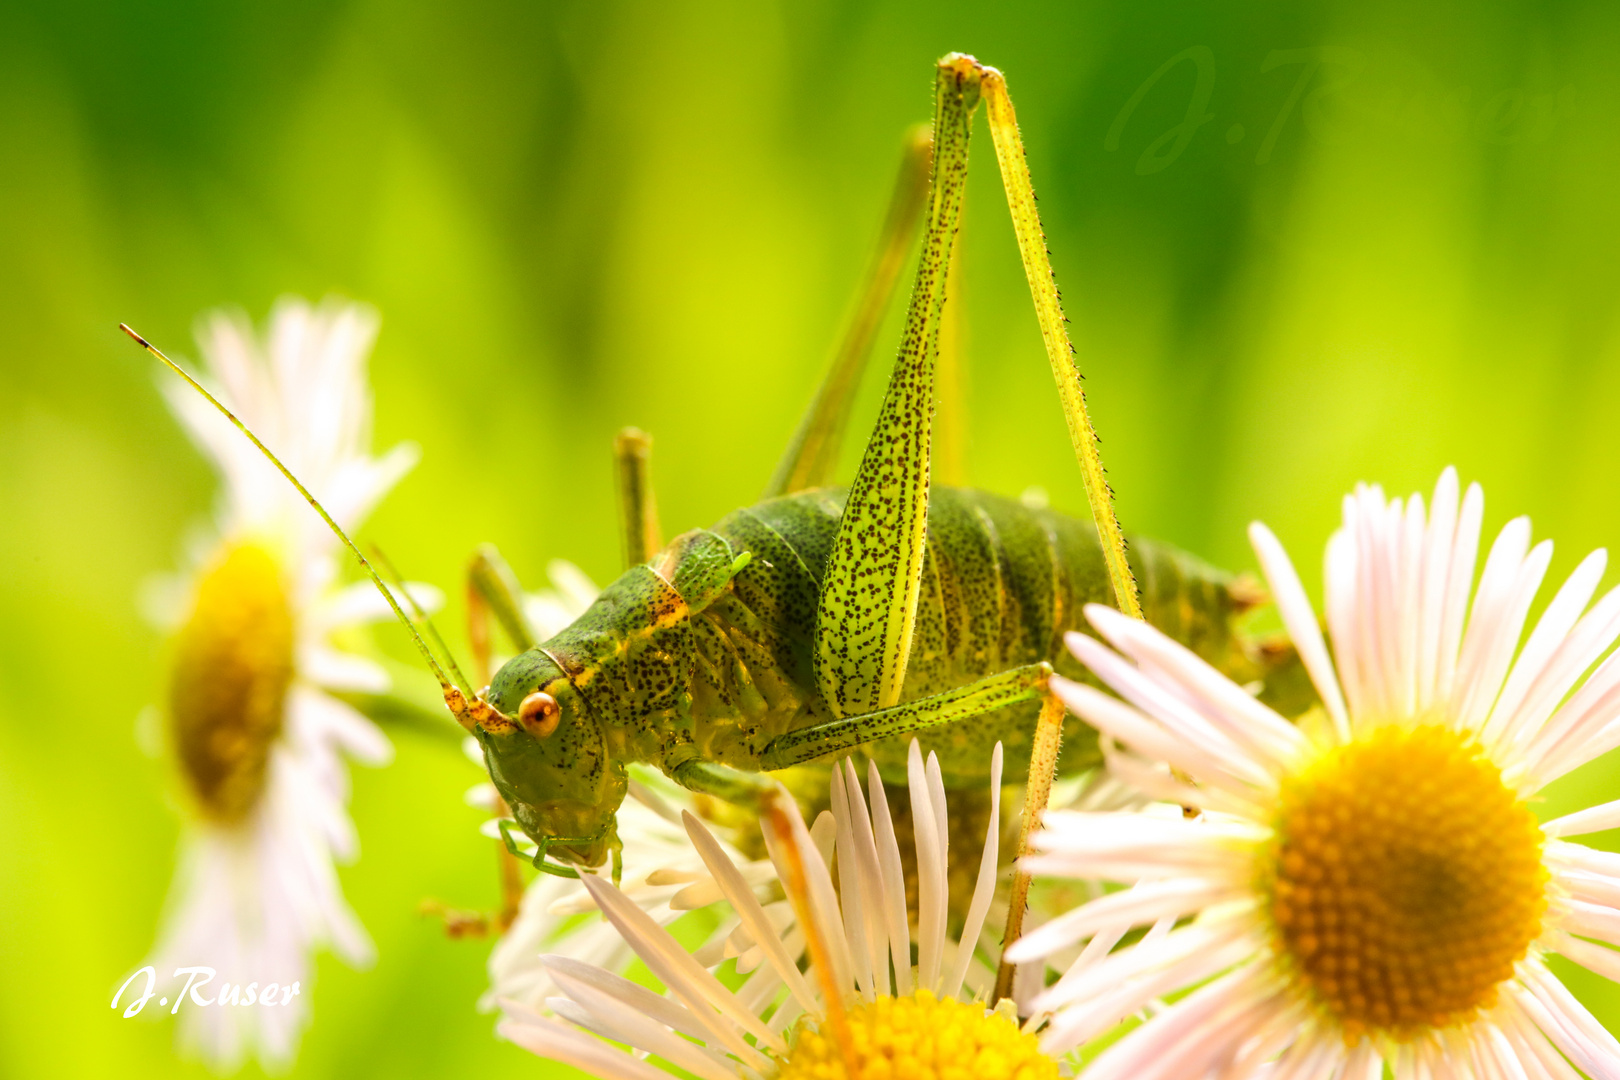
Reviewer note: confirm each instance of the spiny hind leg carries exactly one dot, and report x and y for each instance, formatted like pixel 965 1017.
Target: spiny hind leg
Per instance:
pixel 812 455
pixel 867 609
pixel 1054 332
pixel 1020 193
pixel 950 415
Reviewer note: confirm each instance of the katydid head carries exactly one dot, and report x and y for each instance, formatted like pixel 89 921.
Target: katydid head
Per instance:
pixel 551 764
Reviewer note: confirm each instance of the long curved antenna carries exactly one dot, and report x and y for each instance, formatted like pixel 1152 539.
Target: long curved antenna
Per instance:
pixel 420 616
pixel 464 702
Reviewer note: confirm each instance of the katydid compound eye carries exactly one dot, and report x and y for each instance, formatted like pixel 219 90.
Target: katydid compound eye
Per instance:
pixel 539 714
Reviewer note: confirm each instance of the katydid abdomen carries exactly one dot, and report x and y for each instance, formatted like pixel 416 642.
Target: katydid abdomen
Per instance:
pixel 1002 582
pixel 690 657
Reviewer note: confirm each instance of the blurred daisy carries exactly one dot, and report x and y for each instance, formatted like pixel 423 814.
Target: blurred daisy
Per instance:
pixel 861 1009
pixel 1369 889
pixel 259 740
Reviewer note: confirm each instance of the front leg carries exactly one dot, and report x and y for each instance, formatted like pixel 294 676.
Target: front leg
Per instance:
pixel 750 790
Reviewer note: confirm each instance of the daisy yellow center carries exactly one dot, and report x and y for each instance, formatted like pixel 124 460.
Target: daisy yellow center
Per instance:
pixel 233 661
pixel 1406 880
pixel 920 1037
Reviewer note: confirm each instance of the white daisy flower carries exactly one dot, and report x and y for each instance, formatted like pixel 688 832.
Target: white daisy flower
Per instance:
pixel 664 876
pixel 259 740
pixel 1370 890
pixel 861 1009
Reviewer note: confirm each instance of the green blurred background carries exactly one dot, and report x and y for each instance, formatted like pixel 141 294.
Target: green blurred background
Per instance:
pixel 1391 251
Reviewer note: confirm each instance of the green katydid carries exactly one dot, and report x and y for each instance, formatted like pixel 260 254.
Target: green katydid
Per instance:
pixel 819 621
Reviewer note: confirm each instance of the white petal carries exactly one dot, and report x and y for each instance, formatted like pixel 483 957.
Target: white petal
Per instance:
pixel 1126 847
pixel 701 992
pixel 1266 736
pixel 1272 1038
pixel 361 602
pixel 1192 1036
pixel 1231 929
pixel 338 724
pixel 1594 888
pixel 1551 632
pixel 1532 1043
pixel 358 485
pixel 869 879
pixel 1300 622
pixel 823 900
pixel 1145 692
pixel 850 897
pixel 1154 782
pixel 1144 903
pixel 1561 854
pixel 333 670
pixel 623 1016
pixel 747 907
pixel 1593 920
pixel 1438 542
pixel 1364 1063
pixel 1505 593
pixel 1339 592
pixel 1459 582
pixel 1079 1023
pixel 1566 1022
pixel 983 889
pixel 1576 722
pixel 894 881
pixel 1592 819
pixel 558 1042
pixel 1539 729
pixel 1113 717
pixel 1369 520
pixel 1409 604
pixel 1593 957
pixel 931 886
